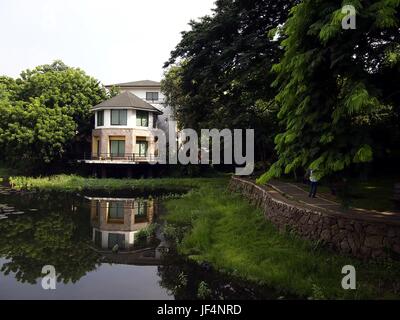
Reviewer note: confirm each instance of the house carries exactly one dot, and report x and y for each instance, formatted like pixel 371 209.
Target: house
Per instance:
pixel 123 132
pixel 149 91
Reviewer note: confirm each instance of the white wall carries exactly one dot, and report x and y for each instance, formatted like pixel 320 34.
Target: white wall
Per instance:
pixel 131 120
pixel 162 120
pixel 129 237
pixel 141 93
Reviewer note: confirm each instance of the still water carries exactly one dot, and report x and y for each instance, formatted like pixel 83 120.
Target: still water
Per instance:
pixel 103 246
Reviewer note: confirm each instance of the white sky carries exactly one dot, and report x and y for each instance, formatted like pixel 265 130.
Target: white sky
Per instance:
pixel 114 41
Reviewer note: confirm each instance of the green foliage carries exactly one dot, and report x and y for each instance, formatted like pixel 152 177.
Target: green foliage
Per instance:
pixel 70 183
pixel 45 114
pixel 203 291
pixel 219 74
pixel 146 233
pixel 337 100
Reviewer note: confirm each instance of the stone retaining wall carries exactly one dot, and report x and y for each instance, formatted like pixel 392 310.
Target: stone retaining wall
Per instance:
pixel 360 237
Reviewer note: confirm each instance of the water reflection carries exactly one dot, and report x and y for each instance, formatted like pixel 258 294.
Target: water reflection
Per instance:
pixel 74 233
pixel 115 222
pixel 79 235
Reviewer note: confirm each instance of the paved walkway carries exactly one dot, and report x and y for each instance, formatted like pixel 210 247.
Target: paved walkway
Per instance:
pixel 295 192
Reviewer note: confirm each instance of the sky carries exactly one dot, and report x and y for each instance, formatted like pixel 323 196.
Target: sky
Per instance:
pixel 114 41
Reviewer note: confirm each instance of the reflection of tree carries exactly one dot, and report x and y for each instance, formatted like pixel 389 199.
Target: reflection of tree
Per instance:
pixel 30 242
pixel 187 281
pixel 182 278
pixel 174 278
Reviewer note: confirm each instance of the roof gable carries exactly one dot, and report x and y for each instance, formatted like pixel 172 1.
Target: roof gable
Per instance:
pixel 127 100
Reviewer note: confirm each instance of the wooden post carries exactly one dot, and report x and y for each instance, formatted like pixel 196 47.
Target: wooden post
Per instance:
pixel 94 172
pixel 103 172
pixel 150 172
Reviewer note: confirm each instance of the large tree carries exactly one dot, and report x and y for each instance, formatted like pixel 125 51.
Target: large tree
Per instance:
pixel 45 114
pixel 219 74
pixel 338 88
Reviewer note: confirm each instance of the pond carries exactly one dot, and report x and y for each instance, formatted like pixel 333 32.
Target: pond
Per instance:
pixel 102 246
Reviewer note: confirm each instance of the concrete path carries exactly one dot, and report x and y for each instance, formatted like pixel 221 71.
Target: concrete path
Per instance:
pixel 293 191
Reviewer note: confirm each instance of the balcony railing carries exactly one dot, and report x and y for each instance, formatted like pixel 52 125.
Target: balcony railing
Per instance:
pixel 126 157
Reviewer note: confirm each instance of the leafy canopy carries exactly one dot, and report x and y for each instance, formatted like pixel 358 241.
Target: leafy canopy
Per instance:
pixel 338 97
pixel 219 75
pixel 45 113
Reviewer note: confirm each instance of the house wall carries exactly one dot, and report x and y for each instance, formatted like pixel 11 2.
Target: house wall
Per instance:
pixel 163 119
pixel 131 120
pixel 128 228
pixel 129 135
pixel 141 93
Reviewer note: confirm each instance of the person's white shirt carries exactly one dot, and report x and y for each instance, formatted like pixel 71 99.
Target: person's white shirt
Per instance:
pixel 313 177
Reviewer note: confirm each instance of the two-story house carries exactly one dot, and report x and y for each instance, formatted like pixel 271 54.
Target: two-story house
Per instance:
pixel 124 123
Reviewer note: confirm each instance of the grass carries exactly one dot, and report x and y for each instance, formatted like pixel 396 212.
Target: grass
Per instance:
pixel 224 229
pixel 227 232
pixel 70 183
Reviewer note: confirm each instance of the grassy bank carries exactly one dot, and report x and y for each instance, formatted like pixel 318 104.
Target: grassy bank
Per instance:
pixel 76 183
pixel 223 229
pixel 234 236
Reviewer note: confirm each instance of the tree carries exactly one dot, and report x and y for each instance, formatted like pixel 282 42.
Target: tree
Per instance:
pixel 219 74
pixel 338 94
pixel 45 116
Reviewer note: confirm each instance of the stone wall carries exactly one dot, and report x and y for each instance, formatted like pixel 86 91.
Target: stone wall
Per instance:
pixel 362 237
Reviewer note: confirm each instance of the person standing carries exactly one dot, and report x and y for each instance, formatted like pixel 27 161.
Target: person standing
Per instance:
pixel 313 184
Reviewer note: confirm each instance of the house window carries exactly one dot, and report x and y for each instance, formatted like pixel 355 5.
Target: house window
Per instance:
pixel 116 239
pixel 116 211
pixel 142 118
pixel 119 117
pixel 152 96
pixel 100 118
pixel 117 148
pixel 141 148
pixel 142 209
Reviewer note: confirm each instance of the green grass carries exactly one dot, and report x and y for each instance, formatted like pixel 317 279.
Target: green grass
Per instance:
pixel 75 183
pixel 234 236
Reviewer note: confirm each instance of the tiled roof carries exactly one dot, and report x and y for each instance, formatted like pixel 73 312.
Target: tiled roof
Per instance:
pixel 127 100
pixel 141 83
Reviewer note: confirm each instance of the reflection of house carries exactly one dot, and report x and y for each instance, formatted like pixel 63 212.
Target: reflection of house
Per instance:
pixel 116 221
